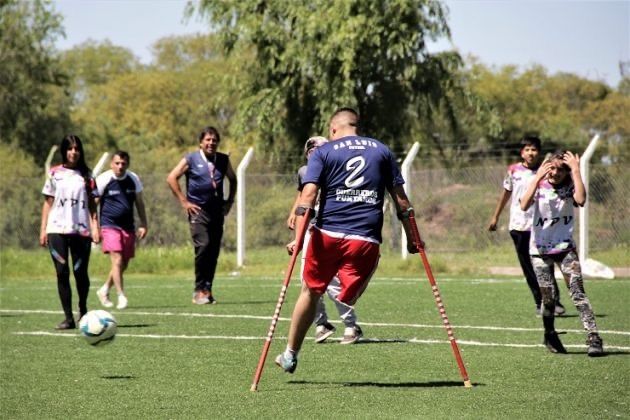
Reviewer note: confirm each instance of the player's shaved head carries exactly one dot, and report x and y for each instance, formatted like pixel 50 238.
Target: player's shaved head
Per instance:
pixel 344 121
pixel 345 117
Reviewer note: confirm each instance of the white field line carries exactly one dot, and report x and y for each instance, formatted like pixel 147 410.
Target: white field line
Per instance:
pixel 235 282
pixel 267 318
pixel 370 340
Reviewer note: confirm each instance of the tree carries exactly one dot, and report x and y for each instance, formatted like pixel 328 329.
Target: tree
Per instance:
pixel 312 57
pixel 34 102
pixel 95 63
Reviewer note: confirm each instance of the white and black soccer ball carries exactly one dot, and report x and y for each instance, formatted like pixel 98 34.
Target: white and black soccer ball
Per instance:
pixel 98 327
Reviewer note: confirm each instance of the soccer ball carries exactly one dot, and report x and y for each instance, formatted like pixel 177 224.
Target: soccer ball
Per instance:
pixel 98 327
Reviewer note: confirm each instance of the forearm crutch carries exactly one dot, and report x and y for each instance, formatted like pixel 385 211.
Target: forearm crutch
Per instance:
pixel 438 299
pixel 301 231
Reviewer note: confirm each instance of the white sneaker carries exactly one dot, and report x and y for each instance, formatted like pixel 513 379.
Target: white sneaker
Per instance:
pixel 104 298
pixel 122 302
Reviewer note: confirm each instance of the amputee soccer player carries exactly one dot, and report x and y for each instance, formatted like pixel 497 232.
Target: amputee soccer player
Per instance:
pixel 353 173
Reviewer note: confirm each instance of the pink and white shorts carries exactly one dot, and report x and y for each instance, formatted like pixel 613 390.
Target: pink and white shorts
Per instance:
pixel 118 240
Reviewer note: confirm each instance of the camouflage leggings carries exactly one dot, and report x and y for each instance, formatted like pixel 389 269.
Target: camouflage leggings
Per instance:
pixel 572 272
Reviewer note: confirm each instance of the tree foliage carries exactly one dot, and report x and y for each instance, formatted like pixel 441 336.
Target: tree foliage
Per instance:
pixel 95 63
pixel 312 57
pixel 34 102
pixel 564 109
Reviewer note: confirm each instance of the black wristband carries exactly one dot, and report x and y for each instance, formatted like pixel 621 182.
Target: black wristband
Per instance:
pixel 301 210
pixel 404 215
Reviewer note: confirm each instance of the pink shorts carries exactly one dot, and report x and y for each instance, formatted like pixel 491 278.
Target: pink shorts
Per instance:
pixel 352 260
pixel 118 240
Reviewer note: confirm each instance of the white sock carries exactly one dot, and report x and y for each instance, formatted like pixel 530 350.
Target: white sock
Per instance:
pixel 289 352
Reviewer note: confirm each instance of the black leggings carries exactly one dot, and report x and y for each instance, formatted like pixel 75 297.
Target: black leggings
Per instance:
pixel 80 248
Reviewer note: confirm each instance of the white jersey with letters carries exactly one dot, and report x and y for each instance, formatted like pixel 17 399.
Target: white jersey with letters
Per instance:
pixel 553 221
pixel 516 181
pixel 69 213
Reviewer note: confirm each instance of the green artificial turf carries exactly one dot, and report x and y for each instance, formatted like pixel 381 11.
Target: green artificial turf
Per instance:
pixel 172 359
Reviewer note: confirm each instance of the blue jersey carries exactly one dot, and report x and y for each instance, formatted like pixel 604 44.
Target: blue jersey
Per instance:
pixel 118 196
pixel 353 173
pixel 204 179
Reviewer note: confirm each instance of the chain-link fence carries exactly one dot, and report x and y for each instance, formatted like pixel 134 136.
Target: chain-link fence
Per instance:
pixel 453 207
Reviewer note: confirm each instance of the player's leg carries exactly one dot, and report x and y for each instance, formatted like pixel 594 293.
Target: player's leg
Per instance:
pixel 128 240
pixel 80 249
pixel 347 313
pixel 543 267
pixel 323 329
pixel 201 242
pixel 215 233
pixel 58 247
pixel 110 242
pixel 321 263
pixel 301 320
pixel 572 272
pixel 521 244
pixel 360 260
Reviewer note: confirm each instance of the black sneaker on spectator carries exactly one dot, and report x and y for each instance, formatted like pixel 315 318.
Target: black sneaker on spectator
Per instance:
pixel 553 343
pixel 66 324
pixel 595 345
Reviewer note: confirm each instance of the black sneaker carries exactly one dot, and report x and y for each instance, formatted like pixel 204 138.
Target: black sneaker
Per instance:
pixel 66 324
pixel 553 343
pixel 322 332
pixel 595 345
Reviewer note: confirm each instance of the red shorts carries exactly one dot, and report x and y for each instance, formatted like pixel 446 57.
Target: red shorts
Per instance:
pixel 118 240
pixel 352 260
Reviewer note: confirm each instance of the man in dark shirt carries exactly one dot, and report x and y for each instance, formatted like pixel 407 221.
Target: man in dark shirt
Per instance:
pixel 205 205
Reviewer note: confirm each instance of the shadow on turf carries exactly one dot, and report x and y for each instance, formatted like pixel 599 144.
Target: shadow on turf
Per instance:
pixel 247 302
pixel 136 325
pixel 607 353
pixel 431 384
pixel 119 377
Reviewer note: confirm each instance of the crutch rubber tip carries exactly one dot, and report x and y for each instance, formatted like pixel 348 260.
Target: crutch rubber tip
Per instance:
pixel 253 388
pixel 467 384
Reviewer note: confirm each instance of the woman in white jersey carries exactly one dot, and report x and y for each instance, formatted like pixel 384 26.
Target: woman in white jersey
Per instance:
pixel 70 224
pixel 555 191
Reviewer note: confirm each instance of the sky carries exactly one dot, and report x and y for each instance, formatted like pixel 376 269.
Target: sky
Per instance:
pixel 586 38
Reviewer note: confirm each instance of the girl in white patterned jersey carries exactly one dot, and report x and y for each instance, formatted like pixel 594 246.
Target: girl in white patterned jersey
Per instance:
pixel 515 183
pixel 69 224
pixel 554 192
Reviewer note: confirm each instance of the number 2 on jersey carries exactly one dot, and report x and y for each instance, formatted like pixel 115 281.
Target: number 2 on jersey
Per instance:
pixel 355 167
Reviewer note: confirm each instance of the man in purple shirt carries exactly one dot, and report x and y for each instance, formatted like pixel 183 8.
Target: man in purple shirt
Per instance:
pixel 352 173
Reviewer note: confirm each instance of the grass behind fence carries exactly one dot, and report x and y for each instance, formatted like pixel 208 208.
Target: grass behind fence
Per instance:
pixel 272 261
